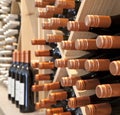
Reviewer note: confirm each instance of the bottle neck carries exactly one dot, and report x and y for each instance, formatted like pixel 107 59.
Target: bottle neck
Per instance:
pixel 28 57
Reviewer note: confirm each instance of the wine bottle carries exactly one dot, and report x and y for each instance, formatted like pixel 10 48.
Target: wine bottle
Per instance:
pixel 55 53
pixel 75 102
pixel 41 4
pixel 111 108
pixel 13 78
pixel 108 42
pixel 107 90
pixel 92 83
pixel 18 67
pixel 43 42
pixel 114 68
pixel 26 101
pixel 80 26
pixel 68 45
pixel 62 63
pixel 11 70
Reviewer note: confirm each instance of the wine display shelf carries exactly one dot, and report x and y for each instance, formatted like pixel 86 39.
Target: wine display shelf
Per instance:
pixel 31 28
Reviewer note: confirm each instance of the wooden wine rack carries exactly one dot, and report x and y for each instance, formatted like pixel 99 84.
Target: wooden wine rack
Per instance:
pixel 31 28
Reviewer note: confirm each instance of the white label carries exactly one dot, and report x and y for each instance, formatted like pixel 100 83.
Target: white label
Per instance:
pixel 17 88
pixel 9 85
pixel 21 95
pixel 12 87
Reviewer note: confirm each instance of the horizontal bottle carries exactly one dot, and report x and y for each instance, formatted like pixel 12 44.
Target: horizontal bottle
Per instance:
pixel 111 108
pixel 53 52
pixel 81 101
pixel 68 45
pixel 51 111
pixel 103 21
pixel 41 4
pixel 11 32
pixel 114 68
pixel 63 113
pixel 80 26
pixel 62 63
pixel 108 90
pixel 108 42
pixel 92 83
pixel 56 37
pixel 40 77
pixel 43 42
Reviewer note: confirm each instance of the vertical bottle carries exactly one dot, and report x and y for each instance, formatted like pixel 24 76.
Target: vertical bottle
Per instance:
pixel 13 79
pixel 26 81
pixel 11 70
pixel 17 78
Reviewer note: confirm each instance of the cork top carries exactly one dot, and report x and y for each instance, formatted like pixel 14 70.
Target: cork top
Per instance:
pixel 107 90
pixel 35 64
pixel 61 63
pixel 42 53
pixel 69 81
pixel 49 26
pixel 46 65
pixel 18 56
pixel 65 4
pixel 38 41
pixel 51 111
pixel 68 45
pixel 39 77
pixel 36 88
pixel 23 56
pixel 97 64
pixel 98 109
pixel 54 9
pixel 60 22
pixel 54 38
pixel 45 14
pixel 85 44
pixel 108 42
pixel 115 67
pixel 51 86
pixel 63 113
pixel 87 84
pixel 61 95
pixel 76 63
pixel 77 26
pixel 14 56
pixel 41 4
pixel 98 21
pixel 27 56
pixel 75 102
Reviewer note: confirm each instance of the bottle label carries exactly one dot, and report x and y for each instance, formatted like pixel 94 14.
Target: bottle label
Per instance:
pixel 21 94
pixel 12 87
pixel 17 87
pixel 9 85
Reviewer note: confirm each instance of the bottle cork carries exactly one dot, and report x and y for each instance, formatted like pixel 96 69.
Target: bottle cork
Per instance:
pixel 27 56
pixel 87 84
pixel 35 64
pixel 76 63
pixel 18 59
pixel 41 4
pixel 49 26
pixel 63 113
pixel 97 64
pixel 68 45
pixel 75 102
pixel 62 95
pixel 36 88
pixel 51 86
pixel 38 41
pixel 108 42
pixel 98 109
pixel 61 22
pixel 54 9
pixel 54 38
pixel 115 67
pixel 51 111
pixel 85 44
pixel 39 77
pixel 98 21
pixel 77 26
pixel 67 4
pixel 46 65
pixel 14 56
pixel 42 53
pixel 69 81
pixel 108 90
pixel 45 14
pixel 61 63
